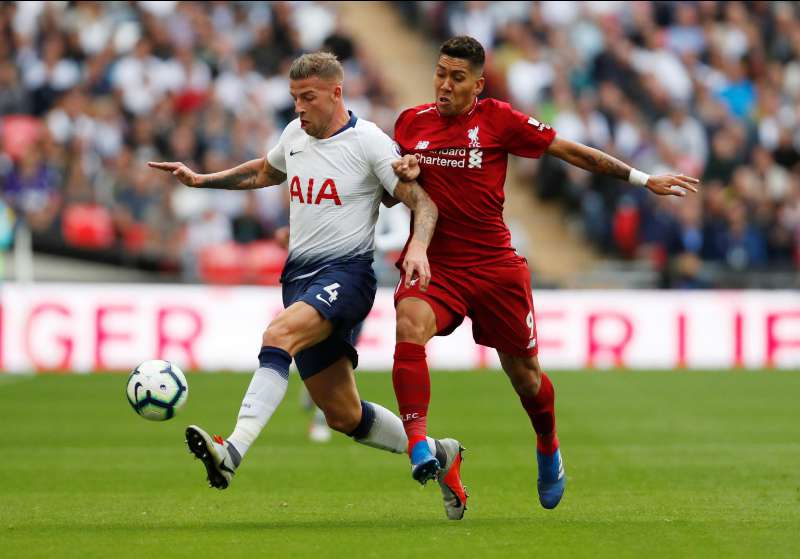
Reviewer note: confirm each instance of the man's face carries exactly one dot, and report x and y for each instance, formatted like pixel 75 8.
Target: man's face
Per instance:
pixel 315 101
pixel 456 85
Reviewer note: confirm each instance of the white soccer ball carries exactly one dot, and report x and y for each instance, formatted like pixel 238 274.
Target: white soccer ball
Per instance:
pixel 157 390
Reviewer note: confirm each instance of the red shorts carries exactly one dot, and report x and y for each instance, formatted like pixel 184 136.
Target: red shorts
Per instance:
pixel 497 298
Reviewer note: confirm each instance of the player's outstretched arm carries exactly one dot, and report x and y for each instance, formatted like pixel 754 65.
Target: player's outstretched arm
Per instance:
pixel 596 161
pixel 256 173
pixel 415 263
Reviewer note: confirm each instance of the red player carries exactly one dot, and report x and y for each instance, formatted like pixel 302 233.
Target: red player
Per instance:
pixel 459 147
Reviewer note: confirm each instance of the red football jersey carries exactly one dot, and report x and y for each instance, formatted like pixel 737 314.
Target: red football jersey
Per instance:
pixel 463 162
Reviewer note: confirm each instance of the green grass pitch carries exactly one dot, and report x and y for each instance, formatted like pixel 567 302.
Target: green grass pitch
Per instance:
pixel 681 464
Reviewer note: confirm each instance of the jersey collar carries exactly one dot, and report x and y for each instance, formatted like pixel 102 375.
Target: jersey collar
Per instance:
pixel 350 124
pixel 456 117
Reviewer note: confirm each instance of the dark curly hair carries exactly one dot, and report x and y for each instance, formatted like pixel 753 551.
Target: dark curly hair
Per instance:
pixel 465 48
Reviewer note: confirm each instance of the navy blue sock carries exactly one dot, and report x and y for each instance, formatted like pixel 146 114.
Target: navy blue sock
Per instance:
pixel 367 419
pixel 276 359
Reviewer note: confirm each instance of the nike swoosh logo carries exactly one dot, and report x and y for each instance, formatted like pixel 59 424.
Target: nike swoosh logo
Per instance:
pixel 323 300
pixel 222 466
pixel 291 153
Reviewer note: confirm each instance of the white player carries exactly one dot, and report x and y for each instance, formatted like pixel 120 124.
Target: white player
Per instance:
pixel 337 167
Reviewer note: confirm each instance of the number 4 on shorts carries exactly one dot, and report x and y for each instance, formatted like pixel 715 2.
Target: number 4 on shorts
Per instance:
pixel 331 291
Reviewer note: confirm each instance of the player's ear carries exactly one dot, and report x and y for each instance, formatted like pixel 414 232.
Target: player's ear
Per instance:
pixel 479 83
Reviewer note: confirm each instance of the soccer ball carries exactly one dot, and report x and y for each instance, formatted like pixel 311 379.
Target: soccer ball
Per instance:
pixel 157 390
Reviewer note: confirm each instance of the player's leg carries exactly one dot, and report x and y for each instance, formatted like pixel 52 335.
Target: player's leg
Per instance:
pixel 418 320
pixel 334 391
pixel 537 397
pixel 294 329
pixel 503 318
pixel 318 430
pixel 416 324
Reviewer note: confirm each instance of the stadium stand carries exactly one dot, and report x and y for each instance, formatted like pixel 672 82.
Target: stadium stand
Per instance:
pixel 711 89
pixel 90 91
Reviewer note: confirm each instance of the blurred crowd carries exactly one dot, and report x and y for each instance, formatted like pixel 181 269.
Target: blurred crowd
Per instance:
pixel 91 91
pixel 710 89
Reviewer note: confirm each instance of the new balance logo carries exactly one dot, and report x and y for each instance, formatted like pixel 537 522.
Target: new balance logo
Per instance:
pixel 533 122
pixel 413 282
pixel 422 144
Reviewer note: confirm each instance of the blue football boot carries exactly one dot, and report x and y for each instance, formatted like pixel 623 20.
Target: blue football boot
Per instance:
pixel 424 465
pixel 552 481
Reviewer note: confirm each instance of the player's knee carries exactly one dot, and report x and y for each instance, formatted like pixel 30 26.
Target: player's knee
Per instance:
pixel 527 387
pixel 277 334
pixel 525 375
pixel 535 370
pixel 411 330
pixel 342 419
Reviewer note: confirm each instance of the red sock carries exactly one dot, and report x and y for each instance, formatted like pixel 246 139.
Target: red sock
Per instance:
pixel 541 410
pixel 412 387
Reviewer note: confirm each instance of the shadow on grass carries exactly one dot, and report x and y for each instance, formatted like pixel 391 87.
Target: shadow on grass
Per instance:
pixel 255 525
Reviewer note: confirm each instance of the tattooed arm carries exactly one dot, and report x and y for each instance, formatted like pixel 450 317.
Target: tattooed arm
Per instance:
pixel 256 173
pixel 425 216
pixel 596 161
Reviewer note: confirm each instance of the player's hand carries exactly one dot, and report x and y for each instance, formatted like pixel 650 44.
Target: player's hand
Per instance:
pixel 282 236
pixel 416 267
pixel 672 185
pixel 407 168
pixel 181 172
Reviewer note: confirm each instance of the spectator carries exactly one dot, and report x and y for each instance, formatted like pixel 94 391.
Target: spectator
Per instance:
pixel 13 98
pixel 685 139
pixel 745 246
pixel 29 189
pixel 101 88
pixel 247 225
pixel 709 89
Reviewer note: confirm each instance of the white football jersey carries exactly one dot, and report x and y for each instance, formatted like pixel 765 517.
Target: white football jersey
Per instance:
pixel 335 189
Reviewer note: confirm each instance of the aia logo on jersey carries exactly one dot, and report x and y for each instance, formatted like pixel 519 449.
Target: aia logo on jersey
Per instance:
pixel 326 192
pixel 475 153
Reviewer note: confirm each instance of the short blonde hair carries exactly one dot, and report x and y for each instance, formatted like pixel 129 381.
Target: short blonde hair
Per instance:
pixel 322 64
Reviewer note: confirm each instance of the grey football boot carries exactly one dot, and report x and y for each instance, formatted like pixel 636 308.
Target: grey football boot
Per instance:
pixel 449 453
pixel 219 457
